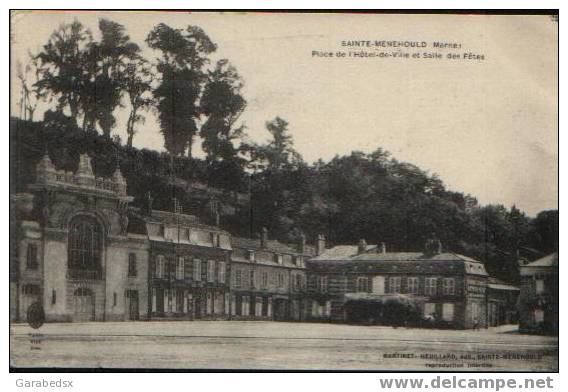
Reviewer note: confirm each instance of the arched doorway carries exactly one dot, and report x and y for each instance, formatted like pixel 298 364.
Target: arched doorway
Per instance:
pixel 83 305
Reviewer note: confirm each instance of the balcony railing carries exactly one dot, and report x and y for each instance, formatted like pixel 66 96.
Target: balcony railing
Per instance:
pixel 76 274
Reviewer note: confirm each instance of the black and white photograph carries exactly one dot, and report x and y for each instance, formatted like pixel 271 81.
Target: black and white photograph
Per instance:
pixel 284 191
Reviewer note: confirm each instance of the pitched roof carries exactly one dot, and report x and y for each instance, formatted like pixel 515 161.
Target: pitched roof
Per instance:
pixel 498 284
pixel 399 262
pixel 271 246
pixel 341 252
pixel 550 260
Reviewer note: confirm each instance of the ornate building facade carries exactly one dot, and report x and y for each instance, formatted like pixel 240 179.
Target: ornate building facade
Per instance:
pixel 73 246
pixel 84 254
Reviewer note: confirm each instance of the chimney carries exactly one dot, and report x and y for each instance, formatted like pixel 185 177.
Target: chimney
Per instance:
pixel 149 202
pixel 521 261
pixel 361 246
pixel 302 244
pixel 433 246
pixel 264 237
pixel 383 248
pixel 320 244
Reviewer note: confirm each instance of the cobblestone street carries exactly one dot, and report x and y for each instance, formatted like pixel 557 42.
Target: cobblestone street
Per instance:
pixel 273 345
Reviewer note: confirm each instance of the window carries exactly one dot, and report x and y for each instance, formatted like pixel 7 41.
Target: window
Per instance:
pixel 31 289
pixel 264 279
pixel 250 255
pixel 475 312
pixel 53 297
pixel 395 284
pixel 429 309
pixel 113 299
pixel 180 268
pixel 539 286
pixel 315 309
pixel 538 315
pixel 210 270
pixel 221 272
pixel 170 234
pixel 227 304
pixel 160 266
pixel 430 287
pixel 258 306
pixel 448 312
pixel 215 239
pixel 449 286
pixel 31 263
pixel 179 301
pixel 280 279
pixel 85 243
pixel 412 284
pixel 298 282
pixel 132 264
pixel 238 278
pixel 362 284
pixel 197 269
pixel 322 284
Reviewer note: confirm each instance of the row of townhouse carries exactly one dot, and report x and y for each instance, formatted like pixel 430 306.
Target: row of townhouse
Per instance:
pixel 365 282
pixel 83 253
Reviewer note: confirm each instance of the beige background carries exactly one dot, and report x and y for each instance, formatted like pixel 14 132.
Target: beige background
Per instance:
pixel 488 128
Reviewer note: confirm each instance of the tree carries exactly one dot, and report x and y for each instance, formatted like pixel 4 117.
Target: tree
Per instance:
pixel 63 70
pixel 138 84
pixel 184 54
pixel 86 76
pixel 279 153
pixel 222 103
pixel 544 231
pixel 110 58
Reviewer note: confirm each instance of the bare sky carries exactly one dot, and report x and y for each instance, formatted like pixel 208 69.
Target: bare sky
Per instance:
pixel 486 127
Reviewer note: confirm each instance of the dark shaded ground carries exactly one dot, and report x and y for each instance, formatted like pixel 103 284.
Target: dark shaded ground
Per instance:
pixel 273 345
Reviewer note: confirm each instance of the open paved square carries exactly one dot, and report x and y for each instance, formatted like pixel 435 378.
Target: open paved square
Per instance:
pixel 275 345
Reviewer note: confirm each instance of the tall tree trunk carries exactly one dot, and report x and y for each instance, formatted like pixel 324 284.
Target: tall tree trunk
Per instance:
pixel 190 147
pixel 129 140
pixel 130 127
pixel 84 125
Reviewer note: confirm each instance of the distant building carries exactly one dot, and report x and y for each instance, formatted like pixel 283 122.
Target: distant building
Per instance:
pixel 366 283
pixel 83 253
pixel 501 302
pixel 188 266
pixel 268 278
pixel 538 300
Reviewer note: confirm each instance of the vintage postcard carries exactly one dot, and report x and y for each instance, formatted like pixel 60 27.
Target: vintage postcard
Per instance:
pixel 284 191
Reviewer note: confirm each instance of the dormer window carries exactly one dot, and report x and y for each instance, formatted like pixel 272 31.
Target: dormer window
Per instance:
pixel 297 260
pixel 215 240
pixel 169 233
pixel 250 255
pixel 278 258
